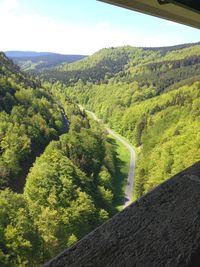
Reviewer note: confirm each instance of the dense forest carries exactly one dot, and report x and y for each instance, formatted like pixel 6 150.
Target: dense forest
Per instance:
pixel 152 98
pixel 57 170
pixel 58 167
pixel 125 63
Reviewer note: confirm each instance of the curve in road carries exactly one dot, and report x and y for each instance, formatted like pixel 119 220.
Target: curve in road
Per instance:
pixel 131 173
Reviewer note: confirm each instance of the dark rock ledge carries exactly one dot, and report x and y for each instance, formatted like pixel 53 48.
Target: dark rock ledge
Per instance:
pixel 160 229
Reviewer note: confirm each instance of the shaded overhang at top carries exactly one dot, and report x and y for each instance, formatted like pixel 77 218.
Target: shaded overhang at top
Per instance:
pixel 182 11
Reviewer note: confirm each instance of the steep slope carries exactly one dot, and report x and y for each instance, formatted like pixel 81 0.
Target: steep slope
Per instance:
pixel 29 119
pixel 99 67
pixel 160 229
pixel 62 165
pixel 149 95
pixel 154 102
pixel 109 62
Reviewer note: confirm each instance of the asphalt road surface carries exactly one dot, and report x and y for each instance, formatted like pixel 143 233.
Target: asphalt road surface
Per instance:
pixel 131 173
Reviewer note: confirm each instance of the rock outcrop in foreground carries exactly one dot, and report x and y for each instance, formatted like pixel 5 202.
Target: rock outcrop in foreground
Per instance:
pixel 160 229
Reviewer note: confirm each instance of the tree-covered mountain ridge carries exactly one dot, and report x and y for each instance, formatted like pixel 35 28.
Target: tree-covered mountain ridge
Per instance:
pixel 153 101
pixel 110 62
pixel 151 96
pixel 58 170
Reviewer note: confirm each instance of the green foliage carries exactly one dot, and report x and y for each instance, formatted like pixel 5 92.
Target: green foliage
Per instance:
pixel 61 200
pixel 149 95
pixel 99 67
pixel 29 119
pixel 36 63
pixel 164 127
pixel 85 149
pixel 71 240
pixel 19 243
pixel 154 102
pixel 170 142
pixel 62 189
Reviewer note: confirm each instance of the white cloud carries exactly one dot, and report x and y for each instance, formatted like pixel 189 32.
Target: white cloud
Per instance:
pixel 104 24
pixel 7 6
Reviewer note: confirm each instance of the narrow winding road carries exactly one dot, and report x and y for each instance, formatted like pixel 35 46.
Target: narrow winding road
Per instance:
pixel 130 179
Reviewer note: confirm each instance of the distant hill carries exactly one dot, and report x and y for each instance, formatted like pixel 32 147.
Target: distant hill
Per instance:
pixel 25 53
pixel 37 61
pixel 164 49
pixel 102 65
pixel 142 64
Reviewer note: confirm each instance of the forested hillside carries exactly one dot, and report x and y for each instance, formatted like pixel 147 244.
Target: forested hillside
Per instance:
pixel 97 68
pixel 124 63
pixel 35 62
pixel 57 170
pixel 29 119
pixel 151 97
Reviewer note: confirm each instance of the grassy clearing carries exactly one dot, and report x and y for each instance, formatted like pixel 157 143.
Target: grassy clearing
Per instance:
pixel 137 152
pixel 122 168
pixel 127 159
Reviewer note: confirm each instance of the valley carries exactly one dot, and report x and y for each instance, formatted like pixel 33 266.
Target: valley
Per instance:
pixel 75 167
pixel 57 170
pixel 132 162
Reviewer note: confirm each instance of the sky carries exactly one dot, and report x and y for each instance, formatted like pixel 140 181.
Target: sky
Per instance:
pixel 82 27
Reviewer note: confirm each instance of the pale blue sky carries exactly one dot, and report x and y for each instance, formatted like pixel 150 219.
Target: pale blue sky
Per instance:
pixel 82 27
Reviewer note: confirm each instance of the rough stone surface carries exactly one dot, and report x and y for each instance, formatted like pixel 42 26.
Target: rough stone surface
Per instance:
pixel 160 229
